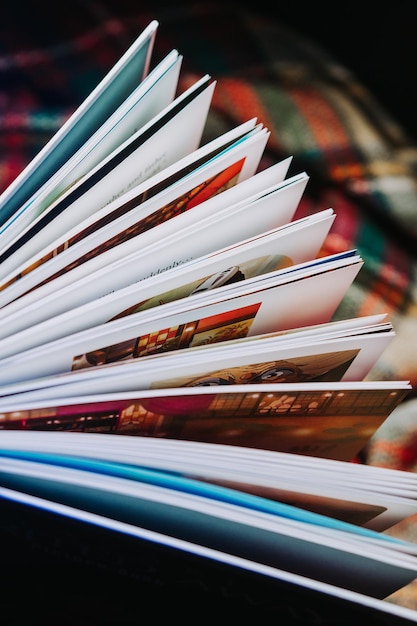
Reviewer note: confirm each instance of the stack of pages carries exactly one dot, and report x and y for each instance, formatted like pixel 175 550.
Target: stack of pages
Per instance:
pixel 168 348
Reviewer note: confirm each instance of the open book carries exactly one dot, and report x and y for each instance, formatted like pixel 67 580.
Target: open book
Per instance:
pixel 172 368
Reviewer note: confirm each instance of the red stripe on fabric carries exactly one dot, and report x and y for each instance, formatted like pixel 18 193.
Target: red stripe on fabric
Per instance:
pixel 400 266
pixel 326 129
pixel 394 285
pixel 241 101
pixel 373 303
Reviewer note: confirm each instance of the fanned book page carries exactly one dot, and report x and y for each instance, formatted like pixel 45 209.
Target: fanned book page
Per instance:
pixel 176 384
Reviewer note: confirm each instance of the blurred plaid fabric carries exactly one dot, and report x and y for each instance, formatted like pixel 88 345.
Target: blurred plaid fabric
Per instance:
pixel 360 160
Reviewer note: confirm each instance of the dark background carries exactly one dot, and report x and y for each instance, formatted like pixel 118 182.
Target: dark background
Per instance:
pixel 376 41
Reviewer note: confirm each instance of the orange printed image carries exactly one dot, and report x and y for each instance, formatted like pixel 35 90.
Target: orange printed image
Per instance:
pixel 213 329
pixel 205 190
pixel 322 423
